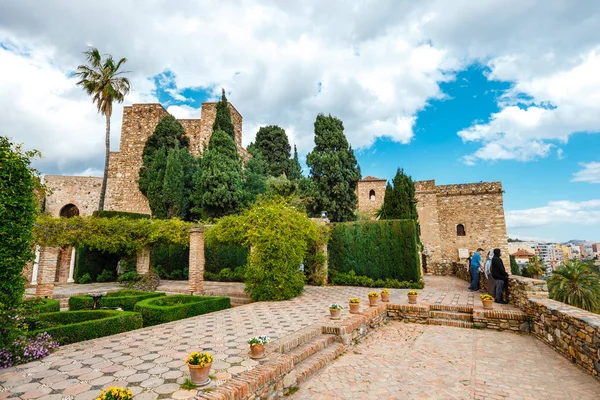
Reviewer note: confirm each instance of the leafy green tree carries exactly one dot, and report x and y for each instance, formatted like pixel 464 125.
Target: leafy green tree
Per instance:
pixel 280 186
pixel 169 133
pixel 219 190
pixel 18 208
pixel 334 171
pixel 278 236
pixel 534 268
pixel 223 117
pixel 273 143
pixel 577 285
pixel 175 195
pixel 254 175
pixel 399 201
pixel 102 80
pixel 295 170
pixel 153 182
pixel 514 267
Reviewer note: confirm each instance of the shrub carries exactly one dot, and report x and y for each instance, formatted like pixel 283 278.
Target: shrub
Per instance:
pixel 39 305
pixel 226 275
pixel 117 214
pixel 105 276
pixel 24 350
pixel 94 263
pixel 222 256
pixel 351 279
pixel 168 259
pixel 378 250
pixel 76 326
pixel 173 308
pixel 85 278
pixel 147 283
pixel 131 276
pixel 124 299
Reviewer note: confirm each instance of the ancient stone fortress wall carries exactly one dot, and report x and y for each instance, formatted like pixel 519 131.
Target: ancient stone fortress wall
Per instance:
pixel 81 191
pixel 370 192
pixel 139 122
pixel 477 207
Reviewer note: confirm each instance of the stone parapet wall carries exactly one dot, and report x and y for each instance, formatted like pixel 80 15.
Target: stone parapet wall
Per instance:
pixel 522 289
pixel 573 332
pixel 414 313
pixel 82 191
pixel 514 321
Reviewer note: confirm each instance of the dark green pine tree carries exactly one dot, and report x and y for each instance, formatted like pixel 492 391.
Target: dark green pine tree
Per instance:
pixel 254 175
pixel 174 194
pixel 168 133
pixel 223 117
pixel 273 143
pixel 219 189
pixel 294 170
pixel 399 201
pixel 153 181
pixel 333 170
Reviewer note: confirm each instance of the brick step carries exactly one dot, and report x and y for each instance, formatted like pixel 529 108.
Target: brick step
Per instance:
pixel 312 346
pixel 452 316
pixel 289 343
pixel 239 301
pixel 445 322
pixel 313 364
pixel 451 308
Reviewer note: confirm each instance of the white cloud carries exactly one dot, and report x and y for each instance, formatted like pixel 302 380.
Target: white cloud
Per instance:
pixel 590 173
pixel 555 213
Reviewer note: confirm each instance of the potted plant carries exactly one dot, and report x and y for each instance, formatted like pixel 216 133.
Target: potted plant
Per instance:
pixel 257 346
pixel 199 365
pixel 412 296
pixel 354 304
pixel 487 301
pixel 335 309
pixel 385 295
pixel 373 298
pixel 115 393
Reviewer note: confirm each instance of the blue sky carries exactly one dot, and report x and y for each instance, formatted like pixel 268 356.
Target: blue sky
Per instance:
pixel 456 91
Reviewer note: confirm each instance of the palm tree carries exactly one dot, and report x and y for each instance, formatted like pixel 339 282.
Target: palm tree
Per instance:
pixel 102 80
pixel 576 284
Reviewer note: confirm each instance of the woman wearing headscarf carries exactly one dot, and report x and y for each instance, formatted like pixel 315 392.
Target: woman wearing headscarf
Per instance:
pixel 487 270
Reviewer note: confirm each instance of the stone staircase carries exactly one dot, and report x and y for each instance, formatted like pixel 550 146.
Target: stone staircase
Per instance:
pixel 236 298
pixel 446 315
pixel 310 351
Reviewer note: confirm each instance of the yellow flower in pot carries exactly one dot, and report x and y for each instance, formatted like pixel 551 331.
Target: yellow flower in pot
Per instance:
pixel 487 301
pixel 385 295
pixel 354 304
pixel 115 393
pixel 199 365
pixel 373 298
pixel 412 296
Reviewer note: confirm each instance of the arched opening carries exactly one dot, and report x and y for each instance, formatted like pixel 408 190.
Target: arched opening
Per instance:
pixel 372 194
pixel 69 211
pixel 460 230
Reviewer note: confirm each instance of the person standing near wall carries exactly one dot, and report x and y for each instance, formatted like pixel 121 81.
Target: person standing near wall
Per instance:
pixel 474 267
pixel 487 271
pixel 500 275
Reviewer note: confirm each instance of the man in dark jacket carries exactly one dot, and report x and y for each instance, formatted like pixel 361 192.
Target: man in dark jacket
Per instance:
pixel 500 276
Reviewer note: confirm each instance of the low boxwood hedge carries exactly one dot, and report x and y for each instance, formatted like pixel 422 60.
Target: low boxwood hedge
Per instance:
pixel 76 326
pixel 125 299
pixel 172 308
pixel 41 305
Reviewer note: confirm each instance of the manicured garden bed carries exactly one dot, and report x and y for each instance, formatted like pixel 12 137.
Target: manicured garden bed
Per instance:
pixel 125 299
pixel 172 308
pixel 42 305
pixel 76 326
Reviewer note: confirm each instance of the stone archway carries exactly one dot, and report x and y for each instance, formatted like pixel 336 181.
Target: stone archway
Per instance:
pixel 66 256
pixel 69 210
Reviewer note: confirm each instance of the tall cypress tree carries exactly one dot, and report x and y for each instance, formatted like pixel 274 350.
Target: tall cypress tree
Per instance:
pixel 174 191
pixel 294 170
pixel 273 143
pixel 223 117
pixel 399 201
pixel 254 175
pixel 154 178
pixel 334 171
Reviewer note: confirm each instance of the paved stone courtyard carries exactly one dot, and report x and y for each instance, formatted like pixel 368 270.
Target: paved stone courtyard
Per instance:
pixel 410 361
pixel 150 361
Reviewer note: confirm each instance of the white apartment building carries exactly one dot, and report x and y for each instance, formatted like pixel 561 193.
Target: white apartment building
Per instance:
pixel 550 254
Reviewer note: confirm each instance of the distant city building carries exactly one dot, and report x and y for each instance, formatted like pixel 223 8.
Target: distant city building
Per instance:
pixel 550 254
pixel 529 247
pixel 523 257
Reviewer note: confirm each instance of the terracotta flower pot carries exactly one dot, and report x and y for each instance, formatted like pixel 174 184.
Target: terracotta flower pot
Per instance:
pixel 257 350
pixel 199 375
pixel 385 297
pixel 335 313
pixel 412 298
pixel 373 301
pixel 354 308
pixel 488 304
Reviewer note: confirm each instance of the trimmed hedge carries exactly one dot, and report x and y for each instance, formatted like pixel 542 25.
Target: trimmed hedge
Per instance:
pixel 119 214
pixel 93 262
pixel 173 308
pixel 76 326
pixel 379 250
pixel 351 279
pixel 220 257
pixel 40 305
pixel 125 299
pixel 170 262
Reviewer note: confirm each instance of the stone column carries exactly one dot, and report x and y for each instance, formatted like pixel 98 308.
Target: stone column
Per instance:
pixel 196 269
pixel 142 265
pixel 323 272
pixel 47 272
pixel 34 274
pixel 72 266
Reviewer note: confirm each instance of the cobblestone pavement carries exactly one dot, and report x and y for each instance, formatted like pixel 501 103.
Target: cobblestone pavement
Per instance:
pixel 150 361
pixel 409 361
